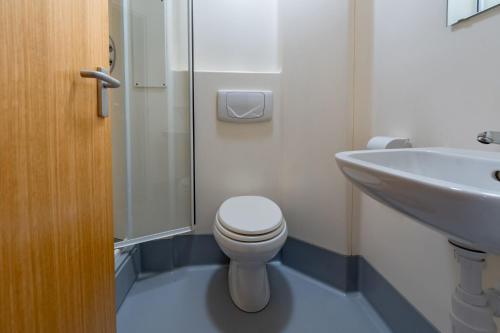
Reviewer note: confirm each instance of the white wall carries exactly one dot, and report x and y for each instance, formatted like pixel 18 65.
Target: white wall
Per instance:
pixel 282 46
pixel 316 39
pixel 235 47
pixel 234 159
pixel 236 36
pixel 439 86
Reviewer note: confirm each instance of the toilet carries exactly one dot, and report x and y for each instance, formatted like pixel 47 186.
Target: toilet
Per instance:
pixel 250 230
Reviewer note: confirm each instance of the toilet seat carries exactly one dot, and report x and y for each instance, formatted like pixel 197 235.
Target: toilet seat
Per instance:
pixel 250 215
pixel 249 219
pixel 249 238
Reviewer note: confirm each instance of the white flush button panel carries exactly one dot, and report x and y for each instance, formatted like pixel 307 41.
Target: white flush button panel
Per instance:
pixel 238 106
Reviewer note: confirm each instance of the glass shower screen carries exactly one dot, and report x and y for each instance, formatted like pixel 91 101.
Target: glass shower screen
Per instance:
pixel 151 114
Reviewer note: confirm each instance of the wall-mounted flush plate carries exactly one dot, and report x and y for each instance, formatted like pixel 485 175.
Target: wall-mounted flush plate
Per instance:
pixel 244 106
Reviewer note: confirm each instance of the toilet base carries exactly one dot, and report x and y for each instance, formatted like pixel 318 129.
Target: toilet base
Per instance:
pixel 249 285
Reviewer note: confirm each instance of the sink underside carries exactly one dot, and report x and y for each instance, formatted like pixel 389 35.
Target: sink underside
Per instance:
pixel 453 191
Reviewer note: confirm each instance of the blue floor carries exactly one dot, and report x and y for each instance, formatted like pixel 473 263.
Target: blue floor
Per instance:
pixel 196 299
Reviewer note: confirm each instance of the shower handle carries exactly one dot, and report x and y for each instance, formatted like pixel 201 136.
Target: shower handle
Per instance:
pixel 104 82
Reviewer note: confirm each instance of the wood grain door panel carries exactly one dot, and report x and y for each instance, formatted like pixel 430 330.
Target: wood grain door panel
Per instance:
pixel 56 230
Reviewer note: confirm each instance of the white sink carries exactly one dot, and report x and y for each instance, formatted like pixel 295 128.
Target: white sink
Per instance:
pixel 452 190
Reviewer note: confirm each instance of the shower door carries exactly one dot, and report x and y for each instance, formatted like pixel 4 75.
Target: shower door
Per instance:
pixel 151 54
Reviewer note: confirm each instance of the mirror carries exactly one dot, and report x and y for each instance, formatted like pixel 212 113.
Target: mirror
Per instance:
pixel 151 113
pixel 459 10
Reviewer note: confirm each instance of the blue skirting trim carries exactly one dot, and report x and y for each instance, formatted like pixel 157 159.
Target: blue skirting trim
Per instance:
pixel 336 270
pixel 187 250
pixel 399 314
pixel 126 275
pixel 346 273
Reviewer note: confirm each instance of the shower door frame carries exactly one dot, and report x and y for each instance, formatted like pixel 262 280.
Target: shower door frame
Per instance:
pixel 129 243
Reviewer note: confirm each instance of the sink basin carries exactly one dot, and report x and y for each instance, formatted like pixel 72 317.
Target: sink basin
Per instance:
pixel 454 191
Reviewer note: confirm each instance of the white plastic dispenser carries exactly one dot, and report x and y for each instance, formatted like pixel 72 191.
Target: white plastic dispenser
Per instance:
pixel 238 106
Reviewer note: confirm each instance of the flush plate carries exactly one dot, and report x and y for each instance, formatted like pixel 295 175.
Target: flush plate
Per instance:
pixel 239 106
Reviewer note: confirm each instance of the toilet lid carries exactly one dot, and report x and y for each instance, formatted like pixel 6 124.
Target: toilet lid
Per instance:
pixel 250 215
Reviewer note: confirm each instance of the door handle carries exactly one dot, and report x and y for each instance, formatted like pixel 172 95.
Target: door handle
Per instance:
pixel 104 82
pixel 101 74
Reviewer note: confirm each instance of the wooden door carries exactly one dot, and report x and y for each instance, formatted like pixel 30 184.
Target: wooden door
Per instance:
pixel 56 233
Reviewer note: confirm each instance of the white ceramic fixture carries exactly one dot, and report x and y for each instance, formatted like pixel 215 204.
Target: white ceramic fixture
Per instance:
pixel 454 191
pixel 250 230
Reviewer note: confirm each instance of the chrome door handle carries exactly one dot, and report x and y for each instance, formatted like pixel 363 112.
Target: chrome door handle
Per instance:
pixel 101 74
pixel 104 81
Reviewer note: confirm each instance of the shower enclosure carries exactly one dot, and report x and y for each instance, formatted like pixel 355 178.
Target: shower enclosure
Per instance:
pixel 152 119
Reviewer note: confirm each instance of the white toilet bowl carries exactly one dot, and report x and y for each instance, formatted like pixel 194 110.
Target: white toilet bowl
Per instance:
pixel 250 230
